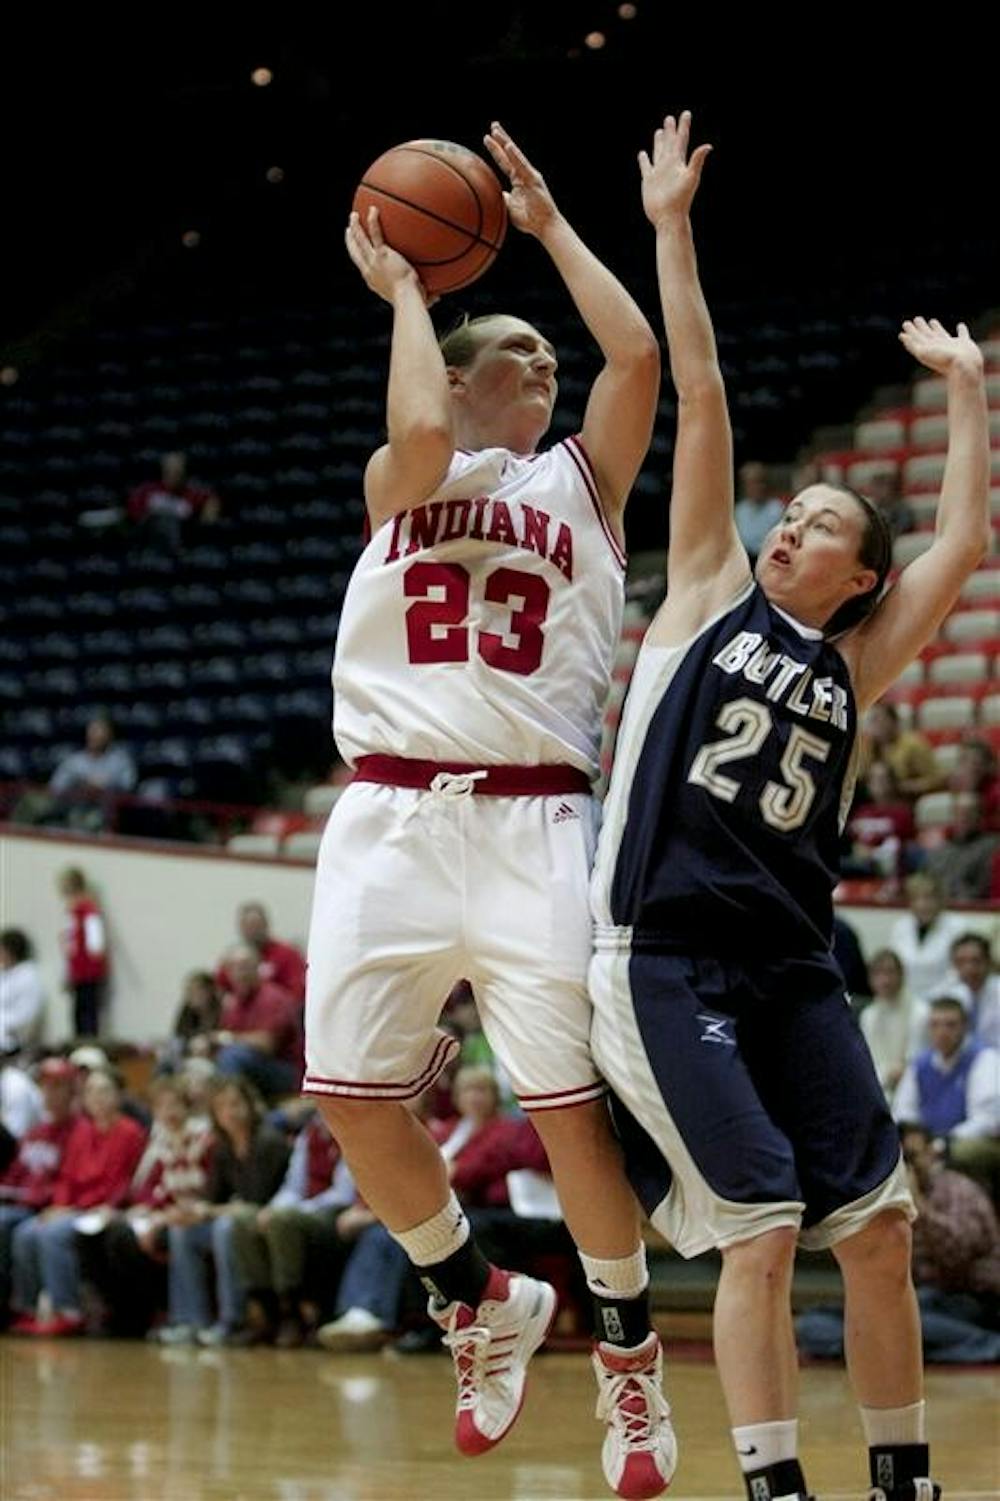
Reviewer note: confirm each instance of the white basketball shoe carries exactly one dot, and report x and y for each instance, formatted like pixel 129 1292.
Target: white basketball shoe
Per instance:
pixel 640 1450
pixel 491 1346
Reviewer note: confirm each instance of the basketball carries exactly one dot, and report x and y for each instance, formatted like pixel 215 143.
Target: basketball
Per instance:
pixel 441 206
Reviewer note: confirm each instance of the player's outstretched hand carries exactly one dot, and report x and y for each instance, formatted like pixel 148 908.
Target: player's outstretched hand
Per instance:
pixel 670 179
pixel 383 268
pixel 529 202
pixel 930 342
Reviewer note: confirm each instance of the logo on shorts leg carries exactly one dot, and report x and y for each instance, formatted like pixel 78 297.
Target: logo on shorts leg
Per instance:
pixel 563 813
pixel 715 1030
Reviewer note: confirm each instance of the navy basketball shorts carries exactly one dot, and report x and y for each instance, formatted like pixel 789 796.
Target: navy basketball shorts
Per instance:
pixel 745 1098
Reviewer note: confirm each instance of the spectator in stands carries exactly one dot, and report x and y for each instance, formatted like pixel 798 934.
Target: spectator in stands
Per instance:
pixel 807 471
pixel 978 987
pixel 22 994
pixel 953 1088
pixel 101 1156
pixel 28 1182
pixel 20 1099
pixel 956 1266
pixel 976 771
pixel 923 937
pixel 894 1024
pixel 85 779
pixel 279 963
pixel 198 1016
pixel 261 1031
pixel 757 509
pixel 272 1247
pixel 85 944
pixel 909 756
pixel 962 865
pixel 167 506
pixel 884 489
pixel 880 826
pixel 123 1255
pixel 248 1163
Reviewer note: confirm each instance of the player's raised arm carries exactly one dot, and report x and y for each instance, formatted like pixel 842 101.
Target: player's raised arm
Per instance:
pixel 910 614
pixel 418 407
pixel 704 544
pixel 618 423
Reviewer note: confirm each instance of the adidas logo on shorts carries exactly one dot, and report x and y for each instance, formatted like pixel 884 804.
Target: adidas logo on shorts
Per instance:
pixel 563 813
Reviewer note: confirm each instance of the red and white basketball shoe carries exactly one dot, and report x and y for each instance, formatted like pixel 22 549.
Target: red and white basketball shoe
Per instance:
pixel 640 1450
pixel 491 1346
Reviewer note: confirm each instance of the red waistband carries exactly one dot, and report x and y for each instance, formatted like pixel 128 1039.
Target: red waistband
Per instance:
pixel 499 781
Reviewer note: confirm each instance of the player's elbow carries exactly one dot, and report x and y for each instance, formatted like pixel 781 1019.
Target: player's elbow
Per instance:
pixel 644 350
pixel 701 388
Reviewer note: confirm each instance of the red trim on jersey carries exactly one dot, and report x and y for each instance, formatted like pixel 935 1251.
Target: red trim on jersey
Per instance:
pixel 563 1099
pixel 581 459
pixel 445 1049
pixel 499 781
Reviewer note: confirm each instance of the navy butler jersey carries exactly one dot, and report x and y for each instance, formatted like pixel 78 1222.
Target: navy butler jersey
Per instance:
pixel 733 771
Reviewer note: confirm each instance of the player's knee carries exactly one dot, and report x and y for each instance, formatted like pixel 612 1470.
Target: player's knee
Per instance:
pixel 766 1257
pixel 349 1118
pixel 882 1249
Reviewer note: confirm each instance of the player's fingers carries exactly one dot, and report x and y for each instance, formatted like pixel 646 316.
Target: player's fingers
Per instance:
pixel 939 327
pixel 645 165
pixel 684 130
pixel 963 329
pixel 669 126
pixel 375 228
pixel 698 159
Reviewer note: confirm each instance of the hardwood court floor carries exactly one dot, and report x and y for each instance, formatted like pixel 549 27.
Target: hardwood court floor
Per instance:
pixel 102 1421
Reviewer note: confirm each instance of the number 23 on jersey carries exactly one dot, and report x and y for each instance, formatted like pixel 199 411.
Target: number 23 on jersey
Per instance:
pixel 438 627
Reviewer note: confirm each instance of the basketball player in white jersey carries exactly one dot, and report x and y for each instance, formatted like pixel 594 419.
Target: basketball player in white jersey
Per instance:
pixel 472 665
pixel 746 1097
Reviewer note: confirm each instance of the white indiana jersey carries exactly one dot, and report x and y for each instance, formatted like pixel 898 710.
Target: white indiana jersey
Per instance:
pixel 480 626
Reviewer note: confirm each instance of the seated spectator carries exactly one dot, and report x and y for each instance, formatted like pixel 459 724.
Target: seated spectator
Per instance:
pixel 279 963
pixel 22 994
pixel 85 945
pixel 962 865
pixel 884 489
pixel 85 779
pixel 978 987
pixel 273 1246
pixel 197 1018
pixel 953 1088
pixel 880 826
pixel 20 1099
pixel 28 1183
pixel 923 936
pixel 123 1255
pixel 101 1156
pixel 261 1032
pixel 757 509
pixel 956 1266
pixel 89 1058
pixel 894 1024
pixel 164 507
pixel 976 771
pixel 247 1164
pixel 909 756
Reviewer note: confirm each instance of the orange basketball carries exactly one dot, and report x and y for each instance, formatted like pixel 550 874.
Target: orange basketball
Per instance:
pixel 440 206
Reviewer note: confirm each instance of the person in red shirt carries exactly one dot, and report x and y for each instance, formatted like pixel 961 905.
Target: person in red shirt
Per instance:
pixel 85 944
pixel 28 1183
pixel 976 771
pixel 881 826
pixel 173 499
pixel 280 963
pixel 102 1154
pixel 260 1035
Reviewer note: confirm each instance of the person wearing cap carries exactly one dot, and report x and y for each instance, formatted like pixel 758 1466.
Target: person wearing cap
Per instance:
pixel 26 1187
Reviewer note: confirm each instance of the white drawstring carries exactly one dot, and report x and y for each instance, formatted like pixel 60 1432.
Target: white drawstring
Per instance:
pixel 449 785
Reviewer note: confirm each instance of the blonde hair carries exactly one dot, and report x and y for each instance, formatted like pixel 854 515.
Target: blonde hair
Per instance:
pixel 461 343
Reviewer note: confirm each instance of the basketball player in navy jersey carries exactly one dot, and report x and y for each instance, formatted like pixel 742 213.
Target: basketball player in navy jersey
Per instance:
pixel 473 661
pixel 745 1095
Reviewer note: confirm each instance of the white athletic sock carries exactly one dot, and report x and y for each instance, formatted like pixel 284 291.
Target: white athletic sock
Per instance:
pixel 624 1277
pixel 759 1445
pixel 437 1238
pixel 895 1425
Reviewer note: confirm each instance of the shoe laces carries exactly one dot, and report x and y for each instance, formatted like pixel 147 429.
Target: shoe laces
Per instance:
pixel 633 1401
pixel 469 1349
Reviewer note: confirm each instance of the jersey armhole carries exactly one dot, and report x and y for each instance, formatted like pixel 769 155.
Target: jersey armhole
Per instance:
pixel 574 447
